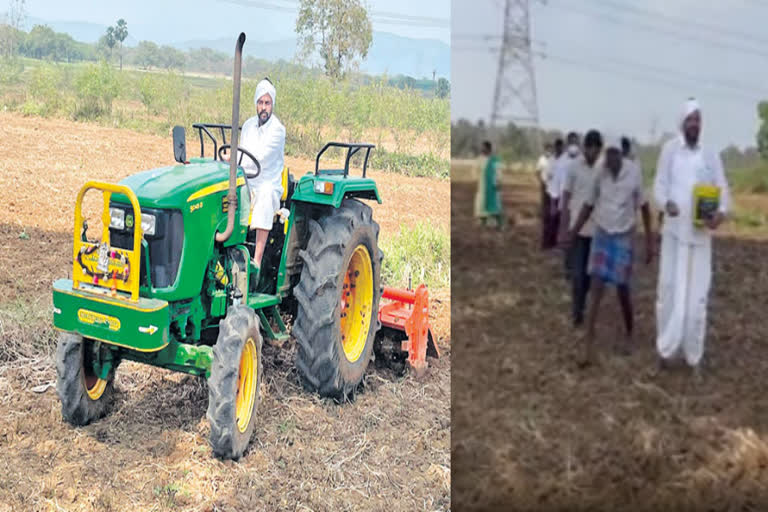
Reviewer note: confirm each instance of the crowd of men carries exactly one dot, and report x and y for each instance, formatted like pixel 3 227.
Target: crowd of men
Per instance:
pixel 591 193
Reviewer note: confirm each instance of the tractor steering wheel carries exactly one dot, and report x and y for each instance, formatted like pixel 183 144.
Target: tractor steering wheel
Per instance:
pixel 249 174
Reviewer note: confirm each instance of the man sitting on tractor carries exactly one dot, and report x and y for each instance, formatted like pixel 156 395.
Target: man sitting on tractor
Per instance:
pixel 264 136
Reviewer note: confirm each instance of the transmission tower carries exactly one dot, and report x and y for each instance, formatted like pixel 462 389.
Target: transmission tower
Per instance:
pixel 515 98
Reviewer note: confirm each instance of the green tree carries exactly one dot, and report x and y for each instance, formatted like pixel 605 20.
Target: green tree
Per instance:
pixel 171 58
pixel 443 89
pixel 762 133
pixel 110 40
pixel 147 55
pixel 120 33
pixel 11 25
pixel 338 31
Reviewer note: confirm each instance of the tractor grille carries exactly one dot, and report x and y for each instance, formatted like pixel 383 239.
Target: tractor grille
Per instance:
pixel 164 246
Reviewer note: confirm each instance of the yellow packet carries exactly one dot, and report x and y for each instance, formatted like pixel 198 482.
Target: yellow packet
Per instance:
pixel 706 201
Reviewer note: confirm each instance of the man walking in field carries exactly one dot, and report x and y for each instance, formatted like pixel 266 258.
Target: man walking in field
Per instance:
pixel 691 189
pixel 579 186
pixel 488 198
pixel 552 213
pixel 561 170
pixel 616 196
pixel 543 175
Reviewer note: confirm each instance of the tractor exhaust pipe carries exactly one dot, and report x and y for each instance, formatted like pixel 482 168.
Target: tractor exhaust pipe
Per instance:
pixel 232 195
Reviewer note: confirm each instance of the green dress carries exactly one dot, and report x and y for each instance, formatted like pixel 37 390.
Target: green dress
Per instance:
pixel 488 198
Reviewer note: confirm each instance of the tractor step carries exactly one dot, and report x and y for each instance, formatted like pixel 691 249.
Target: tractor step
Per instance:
pixel 279 334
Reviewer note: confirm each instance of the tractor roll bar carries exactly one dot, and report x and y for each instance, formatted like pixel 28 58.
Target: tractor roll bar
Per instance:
pixel 352 149
pixel 203 128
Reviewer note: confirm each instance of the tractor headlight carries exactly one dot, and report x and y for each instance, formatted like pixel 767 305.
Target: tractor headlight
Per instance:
pixel 117 218
pixel 148 224
pixel 324 187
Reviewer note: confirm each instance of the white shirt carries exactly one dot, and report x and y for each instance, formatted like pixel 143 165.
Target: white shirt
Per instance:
pixel 543 168
pixel 267 144
pixel 580 184
pixel 560 174
pixel 616 200
pixel 679 169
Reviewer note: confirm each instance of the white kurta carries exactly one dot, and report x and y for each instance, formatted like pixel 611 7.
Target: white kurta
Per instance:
pixel 559 171
pixel 685 272
pixel 267 144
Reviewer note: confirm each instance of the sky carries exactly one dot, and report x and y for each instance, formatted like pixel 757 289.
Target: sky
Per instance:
pixel 180 20
pixel 625 66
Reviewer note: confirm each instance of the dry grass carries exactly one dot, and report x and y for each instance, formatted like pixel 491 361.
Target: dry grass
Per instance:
pixel 533 432
pixel 389 450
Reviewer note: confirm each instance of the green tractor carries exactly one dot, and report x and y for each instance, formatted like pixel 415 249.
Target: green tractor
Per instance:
pixel 170 283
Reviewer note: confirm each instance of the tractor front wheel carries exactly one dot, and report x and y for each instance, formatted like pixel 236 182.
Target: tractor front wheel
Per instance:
pixel 233 387
pixel 84 396
pixel 338 300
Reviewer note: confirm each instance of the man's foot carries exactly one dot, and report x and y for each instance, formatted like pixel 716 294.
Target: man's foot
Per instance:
pixel 585 361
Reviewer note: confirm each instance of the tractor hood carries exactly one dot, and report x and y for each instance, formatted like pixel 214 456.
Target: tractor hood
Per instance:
pixel 171 187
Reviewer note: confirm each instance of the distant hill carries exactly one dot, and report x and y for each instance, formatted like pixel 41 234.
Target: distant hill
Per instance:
pixel 389 53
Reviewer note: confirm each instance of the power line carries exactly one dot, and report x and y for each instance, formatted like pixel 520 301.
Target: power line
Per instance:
pixel 685 22
pixel 390 18
pixel 630 70
pixel 674 34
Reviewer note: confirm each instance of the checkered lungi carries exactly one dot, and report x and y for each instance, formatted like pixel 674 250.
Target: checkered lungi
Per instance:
pixel 610 258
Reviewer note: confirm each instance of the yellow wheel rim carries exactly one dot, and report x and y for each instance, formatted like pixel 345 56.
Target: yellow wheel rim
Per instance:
pixel 94 386
pixel 246 385
pixel 356 303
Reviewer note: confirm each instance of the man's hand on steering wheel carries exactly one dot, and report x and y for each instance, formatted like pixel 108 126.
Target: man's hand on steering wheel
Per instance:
pixel 242 151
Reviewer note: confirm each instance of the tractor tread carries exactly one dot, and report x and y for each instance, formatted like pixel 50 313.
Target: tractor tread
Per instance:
pixel 76 407
pixel 226 440
pixel 320 358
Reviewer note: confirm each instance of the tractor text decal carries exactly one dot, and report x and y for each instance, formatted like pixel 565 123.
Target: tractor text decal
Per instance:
pixel 195 206
pixel 93 318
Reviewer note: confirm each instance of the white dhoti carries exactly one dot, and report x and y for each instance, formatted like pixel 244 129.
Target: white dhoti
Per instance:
pixel 265 201
pixel 685 275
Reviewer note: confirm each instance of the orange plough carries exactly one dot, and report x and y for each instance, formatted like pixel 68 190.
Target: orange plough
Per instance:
pixel 407 312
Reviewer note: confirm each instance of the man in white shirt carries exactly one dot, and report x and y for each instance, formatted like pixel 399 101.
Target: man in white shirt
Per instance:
pixel 685 271
pixel 543 174
pixel 264 136
pixel 561 169
pixel 552 213
pixel 579 187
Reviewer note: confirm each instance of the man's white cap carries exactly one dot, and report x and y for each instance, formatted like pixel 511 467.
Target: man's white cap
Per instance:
pixel 612 141
pixel 690 106
pixel 265 87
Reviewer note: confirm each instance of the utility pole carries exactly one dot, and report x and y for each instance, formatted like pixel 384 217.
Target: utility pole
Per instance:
pixel 515 97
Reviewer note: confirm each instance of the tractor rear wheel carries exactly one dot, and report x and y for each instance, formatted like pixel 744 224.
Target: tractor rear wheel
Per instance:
pixel 84 396
pixel 233 387
pixel 338 300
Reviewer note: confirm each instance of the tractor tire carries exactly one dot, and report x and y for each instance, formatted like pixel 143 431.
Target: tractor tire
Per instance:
pixel 233 387
pixel 84 397
pixel 339 286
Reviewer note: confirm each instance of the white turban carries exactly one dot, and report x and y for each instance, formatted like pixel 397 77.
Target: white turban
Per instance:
pixel 689 108
pixel 612 141
pixel 265 87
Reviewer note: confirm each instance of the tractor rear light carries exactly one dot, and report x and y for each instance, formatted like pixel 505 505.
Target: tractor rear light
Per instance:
pixel 324 187
pixel 117 218
pixel 148 224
